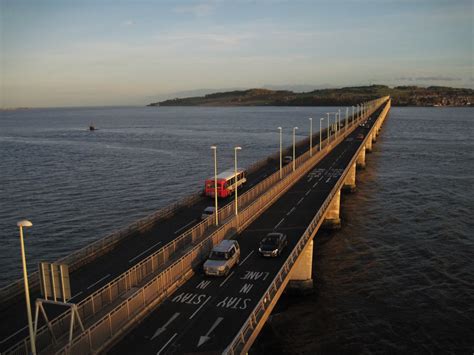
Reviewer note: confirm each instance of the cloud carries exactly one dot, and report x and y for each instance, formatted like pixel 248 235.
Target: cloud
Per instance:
pixel 429 78
pixel 198 10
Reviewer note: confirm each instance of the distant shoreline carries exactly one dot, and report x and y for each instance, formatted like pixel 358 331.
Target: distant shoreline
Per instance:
pixel 405 96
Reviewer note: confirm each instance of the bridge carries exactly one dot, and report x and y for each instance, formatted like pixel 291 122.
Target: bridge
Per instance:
pixel 141 289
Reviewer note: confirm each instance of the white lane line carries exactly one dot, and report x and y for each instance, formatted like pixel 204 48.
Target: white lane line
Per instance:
pixel 300 200
pixel 183 227
pixel 197 310
pixel 164 346
pixel 12 335
pixel 307 192
pixel 136 257
pixel 243 261
pixel 77 294
pixel 225 280
pixel 95 283
pixel 316 183
pixel 281 221
pixel 291 211
pixel 329 178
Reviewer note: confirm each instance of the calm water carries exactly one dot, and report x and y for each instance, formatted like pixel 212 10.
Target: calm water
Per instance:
pixel 398 276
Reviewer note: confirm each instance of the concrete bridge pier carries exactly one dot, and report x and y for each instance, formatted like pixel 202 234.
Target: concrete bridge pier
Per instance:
pixel 361 159
pixel 350 182
pixel 368 144
pixel 301 281
pixel 332 219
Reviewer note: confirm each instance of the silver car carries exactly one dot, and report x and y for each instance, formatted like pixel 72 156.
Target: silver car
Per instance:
pixel 208 211
pixel 224 256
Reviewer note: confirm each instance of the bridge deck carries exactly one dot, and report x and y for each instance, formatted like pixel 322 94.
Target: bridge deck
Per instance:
pixel 205 314
pixel 128 252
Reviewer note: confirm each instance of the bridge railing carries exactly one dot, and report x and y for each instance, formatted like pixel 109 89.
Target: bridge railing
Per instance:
pixel 240 342
pixel 96 303
pixel 157 289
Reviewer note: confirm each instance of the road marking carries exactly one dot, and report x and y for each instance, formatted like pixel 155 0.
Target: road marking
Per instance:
pixel 163 328
pixel 12 335
pixel 243 261
pixel 164 346
pixel 95 283
pixel 300 200
pixel 307 192
pixel 281 221
pixel 183 227
pixel 329 178
pixel 197 310
pixel 316 183
pixel 246 288
pixel 77 294
pixel 228 277
pixel 291 211
pixel 136 257
pixel 203 284
pixel 204 338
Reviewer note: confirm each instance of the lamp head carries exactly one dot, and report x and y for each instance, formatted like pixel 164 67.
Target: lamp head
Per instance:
pixel 238 148
pixel 311 118
pixel 280 128
pixel 24 223
pixel 295 127
pixel 213 147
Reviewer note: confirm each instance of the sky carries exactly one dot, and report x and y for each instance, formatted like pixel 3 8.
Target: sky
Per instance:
pixel 117 52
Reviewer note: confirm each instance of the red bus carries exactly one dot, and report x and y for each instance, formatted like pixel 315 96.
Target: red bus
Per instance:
pixel 226 183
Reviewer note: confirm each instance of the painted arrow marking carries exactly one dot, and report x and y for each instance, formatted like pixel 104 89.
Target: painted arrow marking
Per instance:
pixel 206 337
pixel 163 328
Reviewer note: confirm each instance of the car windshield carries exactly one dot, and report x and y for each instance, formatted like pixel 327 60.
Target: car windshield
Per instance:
pixel 218 255
pixel 270 241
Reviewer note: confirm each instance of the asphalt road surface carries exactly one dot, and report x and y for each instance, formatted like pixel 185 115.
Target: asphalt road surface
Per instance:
pixel 206 313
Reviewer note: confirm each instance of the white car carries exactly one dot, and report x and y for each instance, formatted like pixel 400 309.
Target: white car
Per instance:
pixel 223 257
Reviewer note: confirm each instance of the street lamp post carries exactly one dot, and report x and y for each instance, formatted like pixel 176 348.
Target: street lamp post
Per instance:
pixel 281 164
pixel 235 178
pixel 352 118
pixel 339 118
pixel 25 223
pixel 294 143
pixel 347 118
pixel 214 148
pixel 329 126
pixel 310 136
pixel 320 133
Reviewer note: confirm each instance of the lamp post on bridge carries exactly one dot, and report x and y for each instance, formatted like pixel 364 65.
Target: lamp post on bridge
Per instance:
pixel 25 224
pixel 329 126
pixel 320 133
pixel 310 136
pixel 339 118
pixel 352 118
pixel 214 148
pixel 235 177
pixel 279 128
pixel 294 143
pixel 347 119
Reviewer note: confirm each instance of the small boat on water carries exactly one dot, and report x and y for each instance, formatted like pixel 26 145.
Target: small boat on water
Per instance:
pixel 92 127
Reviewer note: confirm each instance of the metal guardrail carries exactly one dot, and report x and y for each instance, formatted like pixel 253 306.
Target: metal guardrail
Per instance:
pixel 112 324
pixel 239 343
pixel 138 274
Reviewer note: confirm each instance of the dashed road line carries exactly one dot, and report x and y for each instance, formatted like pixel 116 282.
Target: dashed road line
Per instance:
pixel 136 257
pixel 12 335
pixel 291 211
pixel 243 261
pixel 197 310
pixel 77 294
pixel 300 200
pixel 228 277
pixel 183 227
pixel 169 341
pixel 102 279
pixel 281 221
